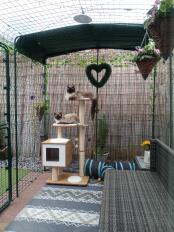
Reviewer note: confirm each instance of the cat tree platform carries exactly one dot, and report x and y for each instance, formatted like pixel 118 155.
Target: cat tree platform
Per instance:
pixel 84 99
pixel 65 124
pixel 60 127
pixel 63 180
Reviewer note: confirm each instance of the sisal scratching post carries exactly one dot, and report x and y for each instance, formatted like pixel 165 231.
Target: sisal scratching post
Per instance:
pixel 82 136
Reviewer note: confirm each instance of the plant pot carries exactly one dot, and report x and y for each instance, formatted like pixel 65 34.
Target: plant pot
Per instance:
pixel 3 152
pixel 145 66
pixel 147 157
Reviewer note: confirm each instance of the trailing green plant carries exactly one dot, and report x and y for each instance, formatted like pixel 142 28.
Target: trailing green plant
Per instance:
pixel 151 91
pixel 166 8
pixel 149 51
pixel 160 9
pixel 82 60
pixel 41 107
pixel 121 60
pixel 102 134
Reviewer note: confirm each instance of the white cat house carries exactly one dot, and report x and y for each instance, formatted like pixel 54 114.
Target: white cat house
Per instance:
pixel 57 152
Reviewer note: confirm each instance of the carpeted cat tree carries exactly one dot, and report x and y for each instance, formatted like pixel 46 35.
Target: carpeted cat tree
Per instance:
pixel 57 153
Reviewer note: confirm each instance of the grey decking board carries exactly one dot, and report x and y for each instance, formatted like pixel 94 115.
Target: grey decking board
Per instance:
pixel 135 201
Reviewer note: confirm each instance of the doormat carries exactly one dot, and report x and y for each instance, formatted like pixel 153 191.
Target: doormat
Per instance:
pixel 61 208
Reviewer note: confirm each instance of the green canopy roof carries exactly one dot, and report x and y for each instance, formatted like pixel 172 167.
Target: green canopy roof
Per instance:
pixel 42 45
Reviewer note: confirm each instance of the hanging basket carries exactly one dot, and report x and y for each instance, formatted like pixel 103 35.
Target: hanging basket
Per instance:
pixel 154 31
pixel 145 66
pixel 167 37
pixel 3 152
pixel 162 32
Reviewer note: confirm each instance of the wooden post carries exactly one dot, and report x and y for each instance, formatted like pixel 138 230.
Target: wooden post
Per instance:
pixel 82 111
pixel 81 137
pixel 59 172
pixel 59 132
pixel 54 174
pixel 81 149
pixel 56 171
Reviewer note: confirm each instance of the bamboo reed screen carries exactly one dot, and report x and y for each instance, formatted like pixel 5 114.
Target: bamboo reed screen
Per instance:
pixel 125 101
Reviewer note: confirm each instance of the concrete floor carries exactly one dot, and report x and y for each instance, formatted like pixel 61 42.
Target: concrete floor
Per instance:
pixel 18 204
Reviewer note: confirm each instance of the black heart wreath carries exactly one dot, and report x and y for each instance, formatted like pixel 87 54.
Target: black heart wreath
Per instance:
pixel 98 69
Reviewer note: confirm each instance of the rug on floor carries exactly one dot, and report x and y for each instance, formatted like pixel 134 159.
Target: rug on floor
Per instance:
pixel 61 208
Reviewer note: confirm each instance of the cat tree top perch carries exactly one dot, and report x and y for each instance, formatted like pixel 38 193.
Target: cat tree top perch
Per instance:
pixel 65 124
pixel 84 99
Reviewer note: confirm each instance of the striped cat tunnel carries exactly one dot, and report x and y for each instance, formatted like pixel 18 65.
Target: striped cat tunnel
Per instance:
pixel 96 169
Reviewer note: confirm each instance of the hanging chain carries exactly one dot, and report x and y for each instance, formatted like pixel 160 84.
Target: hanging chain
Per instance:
pixel 144 38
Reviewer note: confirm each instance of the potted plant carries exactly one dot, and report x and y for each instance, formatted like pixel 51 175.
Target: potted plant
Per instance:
pixel 41 107
pixel 146 146
pixel 146 58
pixel 102 134
pixel 160 25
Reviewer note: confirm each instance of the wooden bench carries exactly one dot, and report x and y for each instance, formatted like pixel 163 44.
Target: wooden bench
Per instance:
pixel 140 201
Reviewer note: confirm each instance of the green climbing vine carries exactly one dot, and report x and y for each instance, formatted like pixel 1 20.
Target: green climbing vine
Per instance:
pixel 82 60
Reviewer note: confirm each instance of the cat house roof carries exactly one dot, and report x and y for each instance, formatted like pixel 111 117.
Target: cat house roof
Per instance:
pixel 42 45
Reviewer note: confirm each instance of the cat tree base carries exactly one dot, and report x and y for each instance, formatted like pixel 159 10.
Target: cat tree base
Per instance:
pixel 63 180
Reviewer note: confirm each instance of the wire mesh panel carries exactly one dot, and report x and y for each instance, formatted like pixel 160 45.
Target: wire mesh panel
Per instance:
pixel 26 160
pixel 162 101
pixel 125 102
pixel 30 85
pixel 24 17
pixel 4 172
